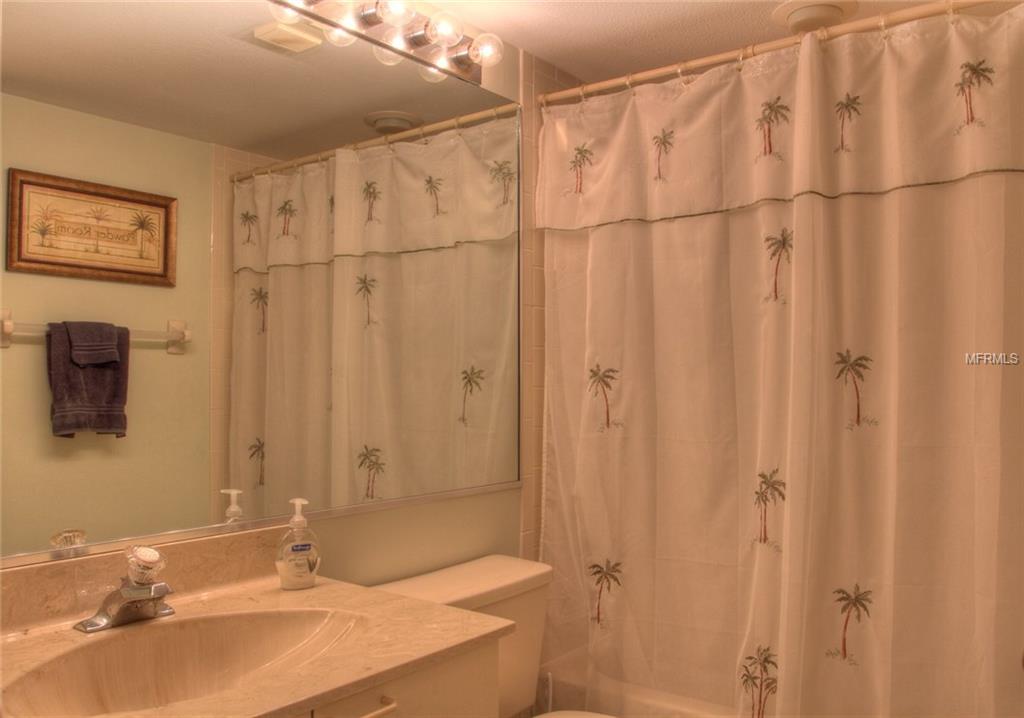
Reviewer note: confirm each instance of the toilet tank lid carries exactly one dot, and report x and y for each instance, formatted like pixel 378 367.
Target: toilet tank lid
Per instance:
pixel 474 584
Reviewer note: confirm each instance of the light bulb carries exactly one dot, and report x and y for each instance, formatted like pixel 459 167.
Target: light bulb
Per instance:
pixel 285 14
pixel 431 73
pixel 394 38
pixel 486 50
pixel 444 29
pixel 338 37
pixel 343 14
pixel 395 12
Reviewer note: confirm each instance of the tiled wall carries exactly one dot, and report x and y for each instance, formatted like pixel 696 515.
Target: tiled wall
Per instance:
pixel 536 76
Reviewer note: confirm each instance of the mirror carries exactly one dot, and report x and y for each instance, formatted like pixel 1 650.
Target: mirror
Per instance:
pixel 345 322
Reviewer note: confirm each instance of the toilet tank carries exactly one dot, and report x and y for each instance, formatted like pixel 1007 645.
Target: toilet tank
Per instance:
pixel 512 588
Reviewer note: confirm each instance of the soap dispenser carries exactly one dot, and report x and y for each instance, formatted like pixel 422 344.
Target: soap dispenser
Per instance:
pixel 298 554
pixel 233 513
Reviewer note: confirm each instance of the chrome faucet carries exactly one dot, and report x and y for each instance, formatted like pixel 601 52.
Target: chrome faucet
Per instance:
pixel 140 596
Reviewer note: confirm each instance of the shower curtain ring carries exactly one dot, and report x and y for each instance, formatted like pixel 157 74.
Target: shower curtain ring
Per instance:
pixel 679 70
pixel 739 60
pixel 951 12
pixel 629 81
pixel 583 93
pixel 823 34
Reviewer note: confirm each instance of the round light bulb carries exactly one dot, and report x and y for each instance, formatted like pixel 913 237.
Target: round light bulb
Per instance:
pixel 486 50
pixel 437 59
pixel 341 13
pixel 395 12
pixel 444 29
pixel 395 39
pixel 284 14
pixel 341 38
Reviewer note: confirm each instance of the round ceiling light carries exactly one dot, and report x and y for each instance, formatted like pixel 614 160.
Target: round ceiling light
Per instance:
pixel 808 15
pixel 388 122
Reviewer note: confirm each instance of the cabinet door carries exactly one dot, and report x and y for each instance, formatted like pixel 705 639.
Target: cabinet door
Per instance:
pixel 464 686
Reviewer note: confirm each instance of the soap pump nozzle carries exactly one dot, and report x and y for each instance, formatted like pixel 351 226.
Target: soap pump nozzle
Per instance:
pixel 234 511
pixel 298 521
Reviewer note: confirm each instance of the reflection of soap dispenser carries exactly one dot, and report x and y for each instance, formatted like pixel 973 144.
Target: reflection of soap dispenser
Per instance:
pixel 234 511
pixel 298 554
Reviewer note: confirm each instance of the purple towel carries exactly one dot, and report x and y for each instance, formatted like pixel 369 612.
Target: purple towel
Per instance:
pixel 92 342
pixel 90 397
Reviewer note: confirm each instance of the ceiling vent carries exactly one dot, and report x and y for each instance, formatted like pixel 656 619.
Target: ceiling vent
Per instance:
pixel 287 37
pixel 388 122
pixel 808 15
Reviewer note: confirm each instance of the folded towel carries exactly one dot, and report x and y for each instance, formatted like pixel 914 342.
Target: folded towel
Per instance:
pixel 86 398
pixel 92 342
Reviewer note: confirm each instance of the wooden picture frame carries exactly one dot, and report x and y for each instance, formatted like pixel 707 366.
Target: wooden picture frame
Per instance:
pixel 73 228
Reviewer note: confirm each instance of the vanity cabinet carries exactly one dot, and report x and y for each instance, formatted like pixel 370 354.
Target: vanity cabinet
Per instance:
pixel 460 686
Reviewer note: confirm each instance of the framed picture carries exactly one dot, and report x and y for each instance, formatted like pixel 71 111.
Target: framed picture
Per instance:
pixel 72 228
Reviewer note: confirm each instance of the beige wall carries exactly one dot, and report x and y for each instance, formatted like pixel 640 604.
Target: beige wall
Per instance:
pixel 160 469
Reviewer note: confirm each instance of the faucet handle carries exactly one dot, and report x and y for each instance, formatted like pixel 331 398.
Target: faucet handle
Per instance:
pixel 132 591
pixel 144 564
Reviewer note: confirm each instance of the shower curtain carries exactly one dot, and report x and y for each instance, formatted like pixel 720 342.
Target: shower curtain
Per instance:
pixel 375 323
pixel 784 417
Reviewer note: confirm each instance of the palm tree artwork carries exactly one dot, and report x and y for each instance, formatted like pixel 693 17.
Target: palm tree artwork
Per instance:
pixel 601 382
pixel 471 379
pixel 604 577
pixel 851 369
pixel 258 452
pixel 846 108
pixel 582 157
pixel 501 171
pixel 248 220
pixel 260 298
pixel 98 214
pixel 145 228
pixel 286 212
pixel 369 459
pixel 365 285
pixel 773 112
pixel 663 143
pixel 770 490
pixel 44 230
pixel 851 603
pixel 371 195
pixel 757 681
pixel 432 186
pixel 972 75
pixel 779 247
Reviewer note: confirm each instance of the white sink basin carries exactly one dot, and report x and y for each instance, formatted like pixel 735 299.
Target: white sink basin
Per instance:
pixel 163 661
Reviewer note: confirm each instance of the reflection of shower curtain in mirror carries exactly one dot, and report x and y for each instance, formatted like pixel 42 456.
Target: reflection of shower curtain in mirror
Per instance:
pixel 375 323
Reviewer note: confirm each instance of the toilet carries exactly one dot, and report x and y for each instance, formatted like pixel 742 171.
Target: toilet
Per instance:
pixel 511 588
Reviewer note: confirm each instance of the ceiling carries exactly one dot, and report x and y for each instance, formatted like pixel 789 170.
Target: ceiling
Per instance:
pixel 194 69
pixel 600 39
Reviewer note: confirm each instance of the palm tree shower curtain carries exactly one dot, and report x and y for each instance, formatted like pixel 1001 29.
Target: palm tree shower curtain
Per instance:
pixel 784 420
pixel 375 322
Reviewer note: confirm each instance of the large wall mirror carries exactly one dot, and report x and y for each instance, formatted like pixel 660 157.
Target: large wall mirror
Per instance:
pixel 351 303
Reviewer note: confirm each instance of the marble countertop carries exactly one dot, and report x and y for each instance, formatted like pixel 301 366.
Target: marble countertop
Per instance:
pixel 388 636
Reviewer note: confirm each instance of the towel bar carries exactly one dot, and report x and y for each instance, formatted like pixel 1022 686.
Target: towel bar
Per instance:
pixel 176 336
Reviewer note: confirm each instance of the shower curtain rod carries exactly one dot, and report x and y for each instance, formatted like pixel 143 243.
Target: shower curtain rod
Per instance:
pixel 879 22
pixel 418 132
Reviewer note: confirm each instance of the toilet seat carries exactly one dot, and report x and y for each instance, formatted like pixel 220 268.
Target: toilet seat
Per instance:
pixel 573 714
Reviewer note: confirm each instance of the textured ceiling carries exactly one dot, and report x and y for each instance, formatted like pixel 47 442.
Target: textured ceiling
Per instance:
pixel 599 39
pixel 193 69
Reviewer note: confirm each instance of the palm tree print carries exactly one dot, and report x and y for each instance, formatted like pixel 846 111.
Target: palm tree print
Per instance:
pixel 145 227
pixel 501 171
pixel 663 143
pixel 371 195
pixel 364 287
pixel 47 213
pixel 582 157
pixel 44 230
pixel 851 603
pixel 851 369
pixel 248 220
pixel 769 491
pixel 772 113
pixel 286 211
pixel 846 108
pixel 972 74
pixel 601 381
pixel 257 452
pixel 604 577
pixel 369 459
pixel 98 214
pixel 432 186
pixel 260 298
pixel 779 247
pixel 471 379
pixel 757 680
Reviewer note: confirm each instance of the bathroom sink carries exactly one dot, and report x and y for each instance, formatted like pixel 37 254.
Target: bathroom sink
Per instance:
pixel 156 663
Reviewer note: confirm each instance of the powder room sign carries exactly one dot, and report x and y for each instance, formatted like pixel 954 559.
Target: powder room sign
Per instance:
pixel 81 229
